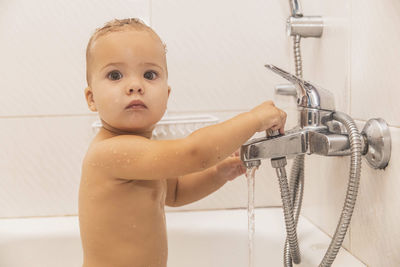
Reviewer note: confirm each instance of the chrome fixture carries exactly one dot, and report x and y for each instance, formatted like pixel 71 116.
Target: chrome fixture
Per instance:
pixel 307 26
pixel 318 132
pixel 285 89
pixel 300 26
pixel 378 152
pixel 323 131
pixel 304 26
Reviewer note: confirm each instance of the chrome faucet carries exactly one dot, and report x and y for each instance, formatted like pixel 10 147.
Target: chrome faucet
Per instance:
pixel 317 132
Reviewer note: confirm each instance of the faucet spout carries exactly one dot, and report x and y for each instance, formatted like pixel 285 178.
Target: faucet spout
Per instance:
pixel 292 143
pixel 252 163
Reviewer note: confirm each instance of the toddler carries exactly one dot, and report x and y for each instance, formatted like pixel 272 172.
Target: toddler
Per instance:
pixel 127 177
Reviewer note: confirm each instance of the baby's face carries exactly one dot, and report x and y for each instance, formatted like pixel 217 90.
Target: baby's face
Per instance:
pixel 126 66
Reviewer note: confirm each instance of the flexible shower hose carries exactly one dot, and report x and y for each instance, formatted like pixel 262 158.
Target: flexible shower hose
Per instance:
pixel 296 188
pixel 293 247
pixel 296 185
pixel 352 188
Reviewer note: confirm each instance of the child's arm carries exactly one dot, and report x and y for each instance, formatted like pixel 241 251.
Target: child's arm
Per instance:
pixel 192 187
pixel 136 157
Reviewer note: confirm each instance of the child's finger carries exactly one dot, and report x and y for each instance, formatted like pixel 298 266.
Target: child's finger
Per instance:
pixel 235 154
pixel 242 169
pixel 240 165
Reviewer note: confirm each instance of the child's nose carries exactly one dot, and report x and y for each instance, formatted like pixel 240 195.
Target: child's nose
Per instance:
pixel 132 90
pixel 135 84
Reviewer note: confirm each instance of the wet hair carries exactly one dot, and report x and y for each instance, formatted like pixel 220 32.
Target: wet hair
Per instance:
pixel 117 25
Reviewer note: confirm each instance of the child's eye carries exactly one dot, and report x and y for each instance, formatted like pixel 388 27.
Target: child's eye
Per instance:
pixel 114 75
pixel 150 75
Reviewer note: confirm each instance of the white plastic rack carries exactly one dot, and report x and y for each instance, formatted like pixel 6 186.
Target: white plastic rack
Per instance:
pixel 172 127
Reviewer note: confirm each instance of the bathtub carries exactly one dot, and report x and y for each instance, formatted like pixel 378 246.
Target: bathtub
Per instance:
pixel 196 239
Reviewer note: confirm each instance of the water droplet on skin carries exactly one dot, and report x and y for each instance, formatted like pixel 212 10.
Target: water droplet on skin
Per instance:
pixel 114 151
pixel 125 153
pixel 203 164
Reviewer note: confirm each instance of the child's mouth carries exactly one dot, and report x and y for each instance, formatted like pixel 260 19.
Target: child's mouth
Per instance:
pixel 136 104
pixel 136 107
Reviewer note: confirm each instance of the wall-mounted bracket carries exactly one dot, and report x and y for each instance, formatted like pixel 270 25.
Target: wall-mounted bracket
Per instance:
pixel 377 134
pixel 306 26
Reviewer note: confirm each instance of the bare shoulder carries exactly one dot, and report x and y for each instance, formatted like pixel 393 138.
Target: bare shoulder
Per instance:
pixel 115 148
pixel 103 148
pixel 110 145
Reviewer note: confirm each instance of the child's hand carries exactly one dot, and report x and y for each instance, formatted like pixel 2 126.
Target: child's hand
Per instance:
pixel 269 117
pixel 230 168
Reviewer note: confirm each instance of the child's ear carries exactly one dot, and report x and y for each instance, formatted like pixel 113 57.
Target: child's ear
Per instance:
pixel 169 90
pixel 89 99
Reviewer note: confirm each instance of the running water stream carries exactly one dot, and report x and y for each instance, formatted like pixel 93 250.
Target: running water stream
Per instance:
pixel 250 173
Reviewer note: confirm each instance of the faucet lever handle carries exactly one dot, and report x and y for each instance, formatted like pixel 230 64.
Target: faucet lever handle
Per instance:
pixel 288 76
pixel 308 95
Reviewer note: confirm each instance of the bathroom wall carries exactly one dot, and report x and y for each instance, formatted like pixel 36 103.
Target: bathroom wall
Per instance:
pixel 46 125
pixel 372 91
pixel 215 57
pixel 216 53
pixel 355 59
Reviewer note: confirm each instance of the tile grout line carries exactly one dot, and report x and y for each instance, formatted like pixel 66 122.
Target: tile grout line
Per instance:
pixel 172 112
pixel 151 13
pixel 364 121
pixel 46 115
pixel 94 115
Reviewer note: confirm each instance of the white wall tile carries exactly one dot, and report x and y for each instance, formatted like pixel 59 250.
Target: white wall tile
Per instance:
pixel 43 51
pixel 217 51
pixel 375 60
pixel 325 190
pixel 375 232
pixel 40 163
